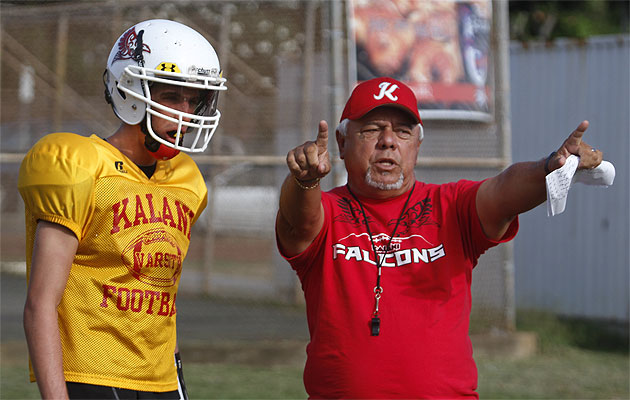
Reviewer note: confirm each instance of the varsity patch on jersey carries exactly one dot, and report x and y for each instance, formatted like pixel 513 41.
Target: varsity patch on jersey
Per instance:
pixel 157 258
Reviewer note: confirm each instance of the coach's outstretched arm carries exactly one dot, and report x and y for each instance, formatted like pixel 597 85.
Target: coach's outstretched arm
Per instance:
pixel 521 187
pixel 301 215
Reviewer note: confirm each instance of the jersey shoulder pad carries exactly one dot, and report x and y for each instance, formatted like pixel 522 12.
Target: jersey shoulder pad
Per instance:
pixel 56 179
pixel 58 149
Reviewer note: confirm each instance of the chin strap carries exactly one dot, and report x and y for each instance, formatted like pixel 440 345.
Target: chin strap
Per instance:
pixel 157 149
pixel 163 152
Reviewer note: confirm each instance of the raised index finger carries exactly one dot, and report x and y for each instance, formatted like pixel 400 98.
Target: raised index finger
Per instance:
pixel 572 144
pixel 576 136
pixel 322 136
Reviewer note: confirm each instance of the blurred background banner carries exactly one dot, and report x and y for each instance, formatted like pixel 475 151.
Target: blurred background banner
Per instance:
pixel 440 48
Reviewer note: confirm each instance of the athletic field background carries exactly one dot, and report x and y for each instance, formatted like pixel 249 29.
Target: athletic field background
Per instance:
pixel 244 350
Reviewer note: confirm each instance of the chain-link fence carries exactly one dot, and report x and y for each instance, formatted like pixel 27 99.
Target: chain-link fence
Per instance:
pixel 285 64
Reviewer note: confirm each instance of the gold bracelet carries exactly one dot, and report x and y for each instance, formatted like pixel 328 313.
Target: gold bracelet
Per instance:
pixel 302 186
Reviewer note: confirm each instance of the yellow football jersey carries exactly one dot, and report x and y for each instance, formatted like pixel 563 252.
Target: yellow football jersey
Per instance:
pixel 117 315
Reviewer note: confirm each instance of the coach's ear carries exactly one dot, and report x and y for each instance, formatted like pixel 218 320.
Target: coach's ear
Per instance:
pixel 341 143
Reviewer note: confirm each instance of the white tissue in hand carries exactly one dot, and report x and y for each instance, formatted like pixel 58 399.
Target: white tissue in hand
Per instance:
pixel 602 175
pixel 560 181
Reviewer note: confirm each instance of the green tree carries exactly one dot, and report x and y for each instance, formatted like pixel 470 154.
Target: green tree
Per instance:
pixel 547 20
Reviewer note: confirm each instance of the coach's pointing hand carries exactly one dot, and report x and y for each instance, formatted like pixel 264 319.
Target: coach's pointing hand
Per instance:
pixel 301 214
pixel 589 156
pixel 310 162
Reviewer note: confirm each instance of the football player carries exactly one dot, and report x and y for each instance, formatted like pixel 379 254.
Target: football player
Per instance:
pixel 108 222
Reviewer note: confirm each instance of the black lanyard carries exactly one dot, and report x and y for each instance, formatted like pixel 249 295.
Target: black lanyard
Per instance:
pixel 375 323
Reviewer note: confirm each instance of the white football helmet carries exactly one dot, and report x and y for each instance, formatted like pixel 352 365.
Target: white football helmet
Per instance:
pixel 167 52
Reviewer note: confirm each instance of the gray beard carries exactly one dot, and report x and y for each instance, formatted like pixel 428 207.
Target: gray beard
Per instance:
pixel 383 186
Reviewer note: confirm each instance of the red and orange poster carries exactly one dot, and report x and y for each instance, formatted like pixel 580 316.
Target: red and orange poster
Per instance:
pixel 440 48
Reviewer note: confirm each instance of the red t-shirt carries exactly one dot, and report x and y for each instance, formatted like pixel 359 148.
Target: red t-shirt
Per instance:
pixel 423 349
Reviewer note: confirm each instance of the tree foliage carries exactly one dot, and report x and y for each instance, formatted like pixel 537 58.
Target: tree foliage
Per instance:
pixel 547 20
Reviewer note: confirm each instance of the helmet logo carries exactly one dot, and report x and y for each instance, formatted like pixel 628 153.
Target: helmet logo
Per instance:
pixel 213 72
pixel 127 45
pixel 167 66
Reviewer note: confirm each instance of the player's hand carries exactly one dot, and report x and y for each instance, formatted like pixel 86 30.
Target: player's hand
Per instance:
pixel 311 161
pixel 589 156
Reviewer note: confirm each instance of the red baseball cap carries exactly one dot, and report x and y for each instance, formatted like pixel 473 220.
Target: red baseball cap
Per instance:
pixel 378 92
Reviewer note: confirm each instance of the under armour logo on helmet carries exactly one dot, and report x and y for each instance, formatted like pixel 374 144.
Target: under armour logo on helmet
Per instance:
pixel 386 90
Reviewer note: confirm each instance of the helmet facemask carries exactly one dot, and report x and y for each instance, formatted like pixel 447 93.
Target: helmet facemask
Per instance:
pixel 194 129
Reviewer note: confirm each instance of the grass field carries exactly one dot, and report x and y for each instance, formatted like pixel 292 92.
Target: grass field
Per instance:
pixel 576 360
